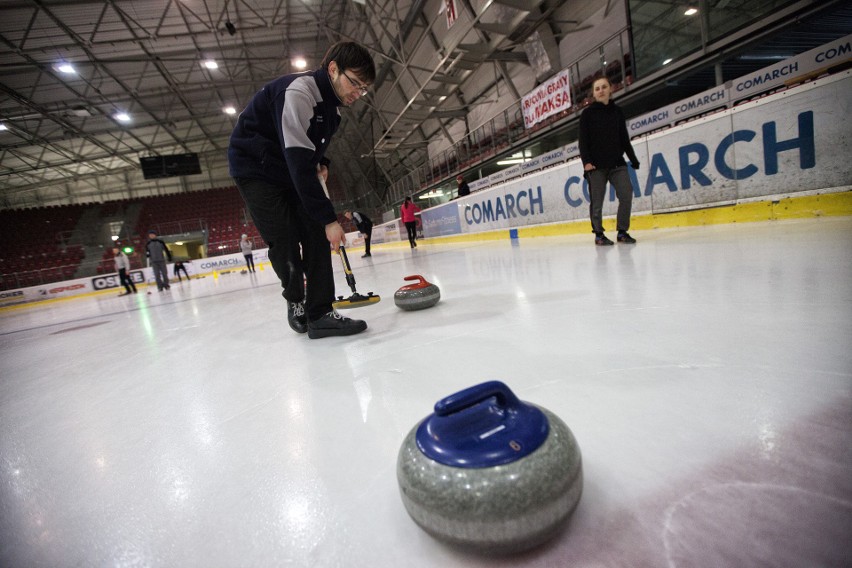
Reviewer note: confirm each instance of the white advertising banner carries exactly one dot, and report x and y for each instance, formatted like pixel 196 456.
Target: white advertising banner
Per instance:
pixel 103 282
pixel 478 184
pixel 806 145
pixel 785 143
pixel 392 231
pixel 384 233
pixel 679 166
pixel 551 97
pixel 234 261
pixel 772 77
pixel 12 297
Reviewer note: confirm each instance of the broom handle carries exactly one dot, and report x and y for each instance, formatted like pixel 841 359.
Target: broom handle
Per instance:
pixel 350 278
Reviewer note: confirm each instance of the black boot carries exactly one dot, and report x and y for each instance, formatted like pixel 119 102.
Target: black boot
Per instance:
pixel 332 324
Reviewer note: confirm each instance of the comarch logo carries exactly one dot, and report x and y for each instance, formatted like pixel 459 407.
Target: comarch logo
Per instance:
pixel 221 263
pixel 521 204
pixel 833 53
pixel 661 116
pixel 768 77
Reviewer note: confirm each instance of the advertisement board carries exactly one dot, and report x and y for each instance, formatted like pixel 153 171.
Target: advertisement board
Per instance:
pixel 786 143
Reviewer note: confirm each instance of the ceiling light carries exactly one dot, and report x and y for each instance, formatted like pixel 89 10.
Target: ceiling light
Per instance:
pixel 3 126
pixel 179 243
pixel 114 238
pixel 122 117
pixel 210 64
pixel 230 110
pixel 300 63
pixel 66 68
pixel 667 61
pixel 690 11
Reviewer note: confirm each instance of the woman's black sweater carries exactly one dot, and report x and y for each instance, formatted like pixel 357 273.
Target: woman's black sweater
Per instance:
pixel 603 136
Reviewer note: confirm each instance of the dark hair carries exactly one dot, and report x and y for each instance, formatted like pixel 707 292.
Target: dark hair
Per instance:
pixel 604 78
pixel 408 198
pixel 350 55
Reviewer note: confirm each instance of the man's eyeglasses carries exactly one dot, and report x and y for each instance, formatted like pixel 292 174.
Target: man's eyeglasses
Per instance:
pixel 362 88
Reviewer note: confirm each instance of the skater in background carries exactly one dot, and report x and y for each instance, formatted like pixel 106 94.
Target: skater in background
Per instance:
pixel 180 267
pixel 407 213
pixel 275 152
pixel 365 227
pixel 246 246
pixel 158 253
pixel 603 142
pixel 122 266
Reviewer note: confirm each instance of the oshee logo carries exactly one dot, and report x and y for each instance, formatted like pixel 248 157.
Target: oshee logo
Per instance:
pixel 112 281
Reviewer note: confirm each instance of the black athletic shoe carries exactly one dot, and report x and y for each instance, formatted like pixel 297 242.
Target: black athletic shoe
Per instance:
pixel 366 255
pixel 296 317
pixel 625 238
pixel 332 324
pixel 601 240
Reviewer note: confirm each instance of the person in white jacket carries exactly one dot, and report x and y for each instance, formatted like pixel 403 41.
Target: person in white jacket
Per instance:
pixel 246 246
pixel 122 266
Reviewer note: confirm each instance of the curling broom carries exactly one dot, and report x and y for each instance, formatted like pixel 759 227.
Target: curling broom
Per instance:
pixel 356 300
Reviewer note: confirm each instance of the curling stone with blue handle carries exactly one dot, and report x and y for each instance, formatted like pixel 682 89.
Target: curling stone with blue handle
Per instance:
pixel 489 472
pixel 417 296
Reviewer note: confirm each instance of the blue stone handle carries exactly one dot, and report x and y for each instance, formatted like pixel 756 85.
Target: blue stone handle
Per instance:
pixel 476 394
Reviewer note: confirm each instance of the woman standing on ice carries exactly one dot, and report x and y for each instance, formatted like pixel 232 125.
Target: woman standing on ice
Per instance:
pixel 603 143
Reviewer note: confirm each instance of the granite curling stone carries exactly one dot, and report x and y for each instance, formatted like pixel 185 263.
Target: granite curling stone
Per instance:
pixel 417 296
pixel 490 473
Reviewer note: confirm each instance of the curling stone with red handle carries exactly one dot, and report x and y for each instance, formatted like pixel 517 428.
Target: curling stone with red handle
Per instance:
pixel 417 296
pixel 489 472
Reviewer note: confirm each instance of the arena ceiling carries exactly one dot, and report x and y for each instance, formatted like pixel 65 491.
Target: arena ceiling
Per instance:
pixel 88 87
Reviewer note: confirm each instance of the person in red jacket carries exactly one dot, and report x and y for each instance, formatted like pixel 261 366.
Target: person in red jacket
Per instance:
pixel 407 211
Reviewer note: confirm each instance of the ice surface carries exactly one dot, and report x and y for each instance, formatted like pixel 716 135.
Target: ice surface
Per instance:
pixel 706 373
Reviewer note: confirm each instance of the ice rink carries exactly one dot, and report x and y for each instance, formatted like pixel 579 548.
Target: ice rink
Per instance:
pixel 706 373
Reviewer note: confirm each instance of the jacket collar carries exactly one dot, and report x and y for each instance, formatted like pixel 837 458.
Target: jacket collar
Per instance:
pixel 324 83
